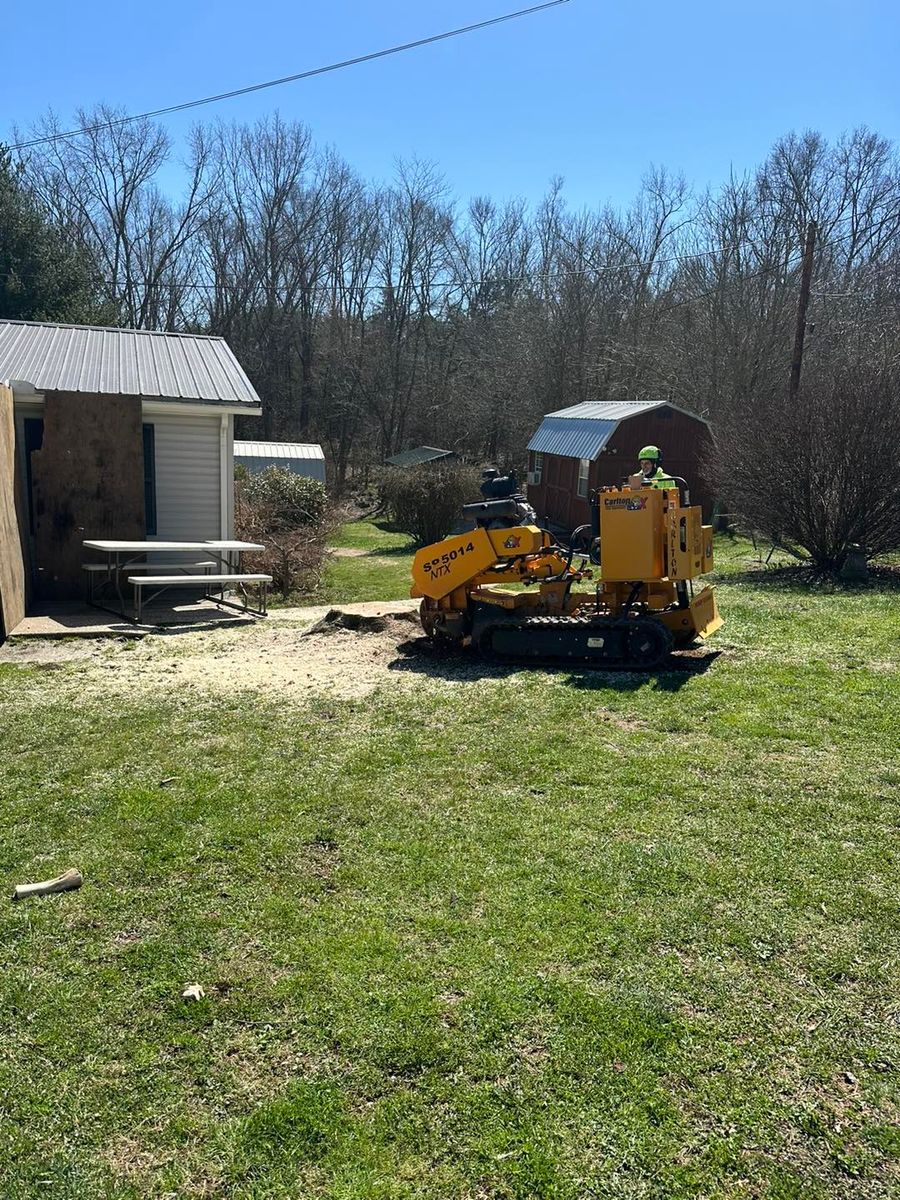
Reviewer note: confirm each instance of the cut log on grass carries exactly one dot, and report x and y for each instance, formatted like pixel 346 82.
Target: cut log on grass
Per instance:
pixel 63 883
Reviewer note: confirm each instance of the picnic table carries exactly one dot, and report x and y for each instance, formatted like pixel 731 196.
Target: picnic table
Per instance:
pixel 125 561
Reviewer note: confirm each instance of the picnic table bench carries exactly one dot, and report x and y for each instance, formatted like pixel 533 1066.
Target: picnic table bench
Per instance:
pixel 162 582
pixel 126 560
pixel 94 569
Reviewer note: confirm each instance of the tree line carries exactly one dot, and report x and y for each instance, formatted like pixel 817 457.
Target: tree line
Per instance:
pixel 372 317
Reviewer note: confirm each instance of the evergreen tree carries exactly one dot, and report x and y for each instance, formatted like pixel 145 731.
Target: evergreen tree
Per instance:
pixel 44 275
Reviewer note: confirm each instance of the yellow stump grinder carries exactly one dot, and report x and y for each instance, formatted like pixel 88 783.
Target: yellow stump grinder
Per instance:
pixel 648 543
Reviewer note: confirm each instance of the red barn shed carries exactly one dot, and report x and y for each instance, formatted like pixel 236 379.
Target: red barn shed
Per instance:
pixel 596 443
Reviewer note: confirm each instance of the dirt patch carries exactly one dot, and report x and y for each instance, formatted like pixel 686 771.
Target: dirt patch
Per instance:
pixel 298 652
pixel 336 659
pixel 345 652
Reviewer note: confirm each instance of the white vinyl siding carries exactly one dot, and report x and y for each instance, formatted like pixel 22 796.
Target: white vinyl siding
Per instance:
pixel 188 477
pixel 226 479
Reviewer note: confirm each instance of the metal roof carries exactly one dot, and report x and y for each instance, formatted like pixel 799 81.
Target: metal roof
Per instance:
pixel 619 410
pixel 584 429
pixel 291 450
pixel 572 437
pixel 608 410
pixel 123 362
pixel 421 454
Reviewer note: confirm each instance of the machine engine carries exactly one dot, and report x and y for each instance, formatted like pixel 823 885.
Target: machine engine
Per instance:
pixel 503 507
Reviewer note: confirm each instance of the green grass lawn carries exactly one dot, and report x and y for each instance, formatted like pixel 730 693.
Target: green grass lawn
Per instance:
pixel 375 537
pixel 382 573
pixel 529 934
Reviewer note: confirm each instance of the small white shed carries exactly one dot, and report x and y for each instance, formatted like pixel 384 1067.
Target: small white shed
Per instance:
pixel 303 458
pixel 118 433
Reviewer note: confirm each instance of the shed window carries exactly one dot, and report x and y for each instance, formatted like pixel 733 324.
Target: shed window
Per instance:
pixel 537 467
pixel 149 432
pixel 584 467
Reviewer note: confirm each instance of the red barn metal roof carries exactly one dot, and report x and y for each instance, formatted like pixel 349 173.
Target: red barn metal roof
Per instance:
pixel 582 430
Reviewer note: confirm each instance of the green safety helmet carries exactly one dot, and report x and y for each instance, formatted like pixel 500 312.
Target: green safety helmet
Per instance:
pixel 651 452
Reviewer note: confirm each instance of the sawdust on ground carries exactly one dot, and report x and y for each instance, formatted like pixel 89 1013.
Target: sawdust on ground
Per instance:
pixel 276 655
pixel 295 652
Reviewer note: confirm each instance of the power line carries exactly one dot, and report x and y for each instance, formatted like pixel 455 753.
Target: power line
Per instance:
pixel 441 291
pixel 491 280
pixel 859 293
pixel 258 87
pixel 734 282
pixel 446 286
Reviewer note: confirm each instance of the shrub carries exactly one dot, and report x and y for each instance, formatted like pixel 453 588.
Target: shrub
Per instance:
pixel 290 500
pixel 289 515
pixel 425 501
pixel 817 475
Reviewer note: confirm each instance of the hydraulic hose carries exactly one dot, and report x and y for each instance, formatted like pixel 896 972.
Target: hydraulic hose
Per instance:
pixel 565 571
pixel 632 596
pixel 580 530
pixel 595 528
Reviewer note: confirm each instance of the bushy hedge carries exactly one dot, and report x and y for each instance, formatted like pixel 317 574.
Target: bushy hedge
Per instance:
pixel 425 501
pixel 291 501
pixel 289 515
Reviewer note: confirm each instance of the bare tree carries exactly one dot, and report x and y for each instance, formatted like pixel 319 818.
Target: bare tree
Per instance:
pixel 374 318
pixel 101 185
pixel 411 265
pixel 813 476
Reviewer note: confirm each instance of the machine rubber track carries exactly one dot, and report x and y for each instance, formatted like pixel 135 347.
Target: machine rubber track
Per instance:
pixel 618 643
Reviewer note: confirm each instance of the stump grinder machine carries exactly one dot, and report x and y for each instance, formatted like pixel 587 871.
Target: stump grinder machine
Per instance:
pixel 644 548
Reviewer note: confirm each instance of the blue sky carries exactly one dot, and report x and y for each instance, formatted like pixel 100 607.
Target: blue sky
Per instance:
pixel 593 91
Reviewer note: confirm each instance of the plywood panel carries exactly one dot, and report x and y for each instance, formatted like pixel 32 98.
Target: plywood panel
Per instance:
pixel 87 481
pixel 12 566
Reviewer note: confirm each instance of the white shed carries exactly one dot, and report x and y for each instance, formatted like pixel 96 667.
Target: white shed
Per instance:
pixel 303 458
pixel 119 433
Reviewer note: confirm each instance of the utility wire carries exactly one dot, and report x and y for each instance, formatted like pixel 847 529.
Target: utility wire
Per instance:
pixel 489 280
pixel 494 280
pixel 443 291
pixel 447 286
pixel 258 87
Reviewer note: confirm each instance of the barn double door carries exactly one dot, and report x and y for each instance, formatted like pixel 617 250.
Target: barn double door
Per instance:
pixel 563 504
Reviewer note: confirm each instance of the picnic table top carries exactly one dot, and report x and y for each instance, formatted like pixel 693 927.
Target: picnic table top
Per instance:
pixel 115 547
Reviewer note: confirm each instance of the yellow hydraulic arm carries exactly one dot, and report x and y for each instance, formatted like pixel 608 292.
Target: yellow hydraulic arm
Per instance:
pixel 501 554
